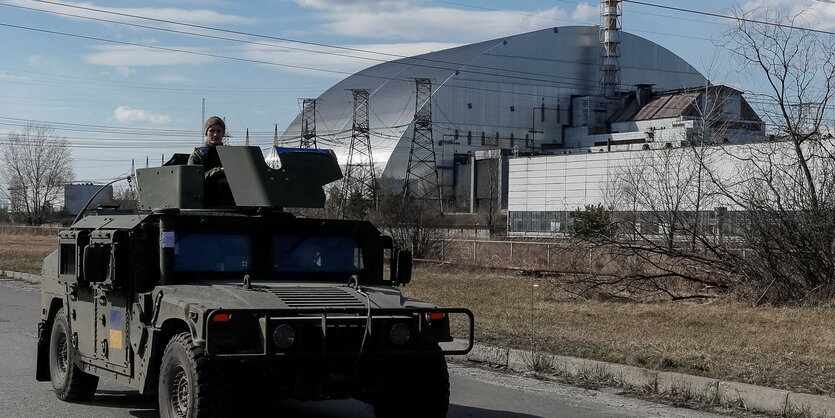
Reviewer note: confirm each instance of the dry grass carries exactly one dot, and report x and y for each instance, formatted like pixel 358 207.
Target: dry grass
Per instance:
pixel 789 348
pixel 25 252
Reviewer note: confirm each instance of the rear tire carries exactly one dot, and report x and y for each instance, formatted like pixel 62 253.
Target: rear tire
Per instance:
pixel 420 389
pixel 70 383
pixel 187 388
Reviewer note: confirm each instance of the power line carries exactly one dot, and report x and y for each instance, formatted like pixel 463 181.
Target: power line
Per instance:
pixel 254 61
pixel 390 55
pixel 504 75
pixel 581 22
pixel 455 64
pixel 736 18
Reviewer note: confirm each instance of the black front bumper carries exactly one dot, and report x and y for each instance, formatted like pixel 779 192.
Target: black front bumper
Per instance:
pixel 332 334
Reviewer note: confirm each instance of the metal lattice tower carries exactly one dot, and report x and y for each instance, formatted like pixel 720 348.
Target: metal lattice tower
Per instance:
pixel 359 170
pixel 308 134
pixel 422 173
pixel 610 12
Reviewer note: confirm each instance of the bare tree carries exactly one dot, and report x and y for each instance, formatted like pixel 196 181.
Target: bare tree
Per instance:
pixel 126 197
pixel 663 235
pixel 787 189
pixel 36 166
pixel 412 223
pixel 757 218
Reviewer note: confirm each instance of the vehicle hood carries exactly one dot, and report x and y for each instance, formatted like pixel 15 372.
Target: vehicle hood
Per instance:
pixel 286 295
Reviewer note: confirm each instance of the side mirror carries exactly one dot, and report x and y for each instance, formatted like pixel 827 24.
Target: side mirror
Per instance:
pixel 403 267
pixel 96 267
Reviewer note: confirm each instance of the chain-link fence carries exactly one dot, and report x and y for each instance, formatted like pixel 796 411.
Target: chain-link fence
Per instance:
pixel 526 255
pixel 560 256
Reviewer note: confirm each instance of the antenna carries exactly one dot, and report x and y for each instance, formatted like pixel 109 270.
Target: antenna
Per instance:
pixel 203 134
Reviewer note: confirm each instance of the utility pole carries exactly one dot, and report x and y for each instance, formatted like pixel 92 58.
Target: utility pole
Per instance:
pixel 422 173
pixel 203 134
pixel 308 134
pixel 275 136
pixel 359 170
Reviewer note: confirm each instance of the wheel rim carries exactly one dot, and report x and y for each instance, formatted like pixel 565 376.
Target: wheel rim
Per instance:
pixel 61 354
pixel 180 392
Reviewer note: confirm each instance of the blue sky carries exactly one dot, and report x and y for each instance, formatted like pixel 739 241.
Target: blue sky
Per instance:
pixel 121 88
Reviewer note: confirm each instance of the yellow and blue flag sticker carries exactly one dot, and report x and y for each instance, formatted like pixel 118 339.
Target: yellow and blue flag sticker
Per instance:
pixel 117 335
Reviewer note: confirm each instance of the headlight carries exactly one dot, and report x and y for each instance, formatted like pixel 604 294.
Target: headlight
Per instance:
pixel 400 333
pixel 284 335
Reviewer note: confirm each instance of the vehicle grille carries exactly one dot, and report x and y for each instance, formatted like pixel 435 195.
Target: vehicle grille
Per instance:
pixel 318 297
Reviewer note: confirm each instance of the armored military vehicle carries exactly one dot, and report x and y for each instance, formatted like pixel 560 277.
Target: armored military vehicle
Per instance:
pixel 212 293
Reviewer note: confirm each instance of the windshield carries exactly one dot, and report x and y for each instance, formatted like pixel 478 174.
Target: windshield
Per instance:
pixel 286 253
pixel 213 252
pixel 295 254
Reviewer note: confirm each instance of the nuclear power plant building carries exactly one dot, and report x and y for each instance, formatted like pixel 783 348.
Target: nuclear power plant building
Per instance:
pixel 556 91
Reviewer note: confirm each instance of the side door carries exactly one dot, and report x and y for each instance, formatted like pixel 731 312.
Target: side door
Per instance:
pixel 112 319
pixel 81 304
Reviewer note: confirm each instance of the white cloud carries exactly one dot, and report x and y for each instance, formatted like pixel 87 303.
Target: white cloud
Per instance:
pixel 122 57
pixel 342 61
pixel 359 5
pixel 435 23
pixel 126 114
pixel 125 71
pixel 815 14
pixel 172 79
pixel 197 16
pixel 585 12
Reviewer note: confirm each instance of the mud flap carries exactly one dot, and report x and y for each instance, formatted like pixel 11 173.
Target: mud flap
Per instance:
pixel 42 358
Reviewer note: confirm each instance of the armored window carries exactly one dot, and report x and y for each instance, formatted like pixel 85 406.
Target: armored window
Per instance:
pixel 302 254
pixel 68 260
pixel 213 252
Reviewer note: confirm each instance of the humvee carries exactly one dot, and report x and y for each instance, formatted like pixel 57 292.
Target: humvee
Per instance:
pixel 212 293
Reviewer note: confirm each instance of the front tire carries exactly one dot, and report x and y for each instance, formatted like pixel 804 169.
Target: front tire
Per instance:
pixel 420 389
pixel 70 383
pixel 186 386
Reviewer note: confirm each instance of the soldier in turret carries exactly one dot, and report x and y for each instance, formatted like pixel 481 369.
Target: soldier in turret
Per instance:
pixel 214 128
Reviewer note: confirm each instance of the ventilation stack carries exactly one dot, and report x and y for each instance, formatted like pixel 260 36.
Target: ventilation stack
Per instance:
pixel 610 12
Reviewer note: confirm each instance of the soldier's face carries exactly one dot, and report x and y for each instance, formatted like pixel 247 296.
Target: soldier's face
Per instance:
pixel 214 135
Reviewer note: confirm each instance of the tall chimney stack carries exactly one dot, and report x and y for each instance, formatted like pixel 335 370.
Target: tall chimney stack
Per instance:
pixel 610 12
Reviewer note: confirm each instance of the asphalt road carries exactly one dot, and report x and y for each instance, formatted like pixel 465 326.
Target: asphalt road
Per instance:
pixel 475 392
